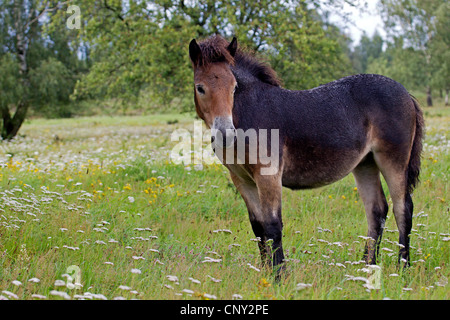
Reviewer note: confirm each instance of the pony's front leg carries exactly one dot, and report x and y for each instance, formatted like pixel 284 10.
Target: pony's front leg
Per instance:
pixel 263 203
pixel 269 217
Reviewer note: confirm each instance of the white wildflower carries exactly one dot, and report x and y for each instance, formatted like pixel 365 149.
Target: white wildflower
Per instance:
pixel 61 294
pixel 211 260
pixel 194 280
pixel 301 286
pixel 214 279
pixel 253 267
pixel 121 287
pixel 172 278
pixel 16 282
pixel 10 294
pixel 222 230
pixel 59 283
pixel 187 291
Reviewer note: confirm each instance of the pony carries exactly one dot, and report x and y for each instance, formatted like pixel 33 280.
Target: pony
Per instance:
pixel 363 124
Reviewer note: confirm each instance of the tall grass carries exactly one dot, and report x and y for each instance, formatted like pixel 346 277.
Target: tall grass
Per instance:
pixel 101 194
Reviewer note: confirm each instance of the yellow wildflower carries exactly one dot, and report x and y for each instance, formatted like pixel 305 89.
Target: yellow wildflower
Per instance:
pixel 127 187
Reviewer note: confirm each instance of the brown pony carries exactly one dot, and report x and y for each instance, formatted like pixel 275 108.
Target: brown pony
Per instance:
pixel 364 124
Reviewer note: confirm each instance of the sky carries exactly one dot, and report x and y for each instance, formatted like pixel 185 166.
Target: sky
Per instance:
pixel 368 21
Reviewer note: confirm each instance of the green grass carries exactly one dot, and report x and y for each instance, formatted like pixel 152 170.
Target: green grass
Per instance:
pixel 101 194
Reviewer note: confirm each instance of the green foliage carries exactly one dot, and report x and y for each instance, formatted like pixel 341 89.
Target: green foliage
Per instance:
pixel 137 52
pixel 368 50
pixel 422 27
pixel 10 85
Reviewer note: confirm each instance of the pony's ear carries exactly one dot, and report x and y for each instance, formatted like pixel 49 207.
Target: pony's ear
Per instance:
pixel 232 47
pixel 195 53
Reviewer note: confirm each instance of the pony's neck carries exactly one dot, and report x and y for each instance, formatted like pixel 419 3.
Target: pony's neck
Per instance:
pixel 243 76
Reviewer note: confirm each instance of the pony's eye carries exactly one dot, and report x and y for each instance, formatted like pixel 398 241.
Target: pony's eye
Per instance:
pixel 235 87
pixel 200 89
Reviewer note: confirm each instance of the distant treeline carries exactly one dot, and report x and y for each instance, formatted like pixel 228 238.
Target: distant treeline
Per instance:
pixel 67 58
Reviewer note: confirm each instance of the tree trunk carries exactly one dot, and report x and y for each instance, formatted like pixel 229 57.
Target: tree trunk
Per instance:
pixel 446 96
pixel 12 125
pixel 429 99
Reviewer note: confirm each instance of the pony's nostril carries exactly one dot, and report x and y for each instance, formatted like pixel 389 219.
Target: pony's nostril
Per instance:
pixel 212 139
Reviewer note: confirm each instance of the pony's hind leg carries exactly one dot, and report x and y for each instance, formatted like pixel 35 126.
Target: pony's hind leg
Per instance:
pixel 396 179
pixel 367 177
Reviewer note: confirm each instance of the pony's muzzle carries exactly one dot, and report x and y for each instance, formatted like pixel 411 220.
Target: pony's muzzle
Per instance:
pixel 223 132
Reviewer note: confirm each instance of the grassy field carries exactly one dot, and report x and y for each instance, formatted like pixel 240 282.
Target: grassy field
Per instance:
pixel 93 208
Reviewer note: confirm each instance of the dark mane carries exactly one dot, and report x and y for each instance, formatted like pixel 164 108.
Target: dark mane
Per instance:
pixel 214 49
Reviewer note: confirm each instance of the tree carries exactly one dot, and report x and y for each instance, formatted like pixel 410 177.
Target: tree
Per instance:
pixel 441 50
pixel 140 48
pixel 368 49
pixel 21 55
pixel 415 21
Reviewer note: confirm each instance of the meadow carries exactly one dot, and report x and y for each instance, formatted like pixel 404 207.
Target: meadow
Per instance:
pixel 93 208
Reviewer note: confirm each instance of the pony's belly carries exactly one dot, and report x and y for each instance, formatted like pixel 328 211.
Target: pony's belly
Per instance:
pixel 313 172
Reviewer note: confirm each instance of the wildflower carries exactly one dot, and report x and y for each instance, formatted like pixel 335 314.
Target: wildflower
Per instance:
pixel 95 296
pixel 136 271
pixel 222 230
pixel 301 286
pixel 127 187
pixel 34 280
pixel 38 296
pixel 253 267
pixel 16 283
pixel 172 278
pixel 214 279
pixel 131 199
pixel 264 283
pixel 187 291
pixel 61 294
pixel 124 287
pixel 209 259
pixel 60 283
pixel 10 294
pixel 194 280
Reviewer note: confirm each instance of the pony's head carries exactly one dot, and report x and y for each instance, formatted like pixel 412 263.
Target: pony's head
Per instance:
pixel 214 85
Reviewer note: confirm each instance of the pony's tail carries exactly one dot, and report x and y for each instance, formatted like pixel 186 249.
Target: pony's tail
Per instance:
pixel 412 174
